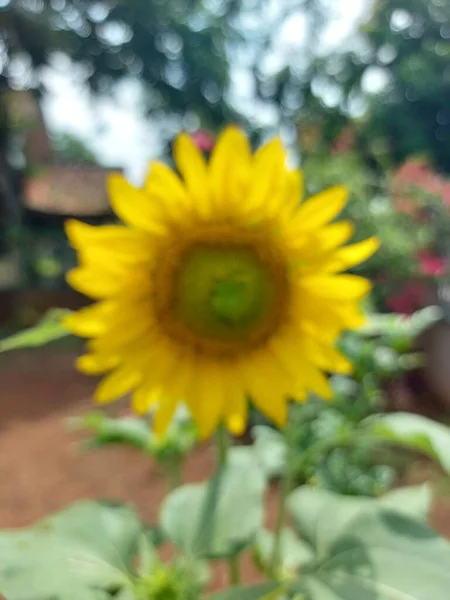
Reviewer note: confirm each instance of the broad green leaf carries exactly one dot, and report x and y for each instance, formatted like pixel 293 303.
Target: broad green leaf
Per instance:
pixel 47 330
pixel 125 594
pixel 265 591
pixel 294 552
pixel 270 449
pixel 321 516
pixel 414 432
pixel 238 514
pixel 382 556
pixel 86 548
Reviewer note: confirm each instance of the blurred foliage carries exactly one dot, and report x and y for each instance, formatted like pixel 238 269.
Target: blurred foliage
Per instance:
pixel 176 48
pixel 410 39
pixel 372 210
pixel 95 551
pixel 334 449
pixel 136 432
pixel 396 75
pixel 407 209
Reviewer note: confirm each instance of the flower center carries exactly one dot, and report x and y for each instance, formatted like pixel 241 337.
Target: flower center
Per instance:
pixel 223 293
pixel 221 297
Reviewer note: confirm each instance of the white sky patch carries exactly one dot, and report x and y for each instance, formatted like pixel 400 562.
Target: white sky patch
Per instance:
pixel 293 30
pixel 113 128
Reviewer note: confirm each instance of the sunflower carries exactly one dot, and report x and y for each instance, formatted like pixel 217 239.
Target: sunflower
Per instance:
pixel 222 286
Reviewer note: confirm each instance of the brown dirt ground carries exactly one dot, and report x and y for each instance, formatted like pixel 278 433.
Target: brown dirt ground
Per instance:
pixel 42 469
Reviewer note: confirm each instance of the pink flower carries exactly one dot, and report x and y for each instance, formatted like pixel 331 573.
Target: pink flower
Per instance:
pixel 431 264
pixel 204 140
pixel 416 175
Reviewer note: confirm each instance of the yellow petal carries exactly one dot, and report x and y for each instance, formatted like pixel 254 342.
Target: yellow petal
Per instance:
pixel 206 399
pixel 134 206
pixel 112 280
pixel 164 415
pixel 145 352
pixel 290 350
pixel 90 321
pixel 94 364
pixel 179 381
pixel 92 283
pixel 268 385
pixel 114 248
pixel 144 398
pixel 128 331
pixel 338 287
pixel 123 242
pixel 317 383
pixel 236 417
pixel 163 185
pixel 327 319
pixel 192 166
pixel 110 259
pixel 236 404
pixel 315 247
pixel 319 210
pixel 350 256
pixel 351 317
pixel 293 192
pixel 326 357
pixel 117 384
pixel 229 166
pixel 268 177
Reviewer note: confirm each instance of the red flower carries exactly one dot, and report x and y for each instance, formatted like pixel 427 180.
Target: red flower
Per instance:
pixel 413 296
pixel 431 264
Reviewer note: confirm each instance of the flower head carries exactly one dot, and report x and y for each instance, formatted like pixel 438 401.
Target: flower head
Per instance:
pixel 222 286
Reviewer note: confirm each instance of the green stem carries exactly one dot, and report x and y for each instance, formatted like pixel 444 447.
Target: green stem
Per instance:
pixel 222 443
pixel 285 487
pixel 234 570
pixel 173 470
pixel 207 521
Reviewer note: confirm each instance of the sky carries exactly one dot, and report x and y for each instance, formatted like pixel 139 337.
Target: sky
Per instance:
pixel 114 127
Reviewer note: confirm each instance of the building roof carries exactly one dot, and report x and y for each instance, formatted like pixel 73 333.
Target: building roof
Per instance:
pixel 68 190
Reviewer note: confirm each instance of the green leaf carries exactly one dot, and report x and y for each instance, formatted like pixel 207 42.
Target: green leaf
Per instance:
pixel 146 557
pixel 414 432
pixel 264 591
pixel 105 430
pixel 125 594
pixel 88 547
pixel 47 330
pixel 238 513
pixel 396 325
pixel 270 449
pixel 382 556
pixel 321 516
pixel 294 552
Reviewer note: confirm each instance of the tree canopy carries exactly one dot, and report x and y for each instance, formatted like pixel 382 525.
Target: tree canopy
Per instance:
pixel 177 48
pixel 398 73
